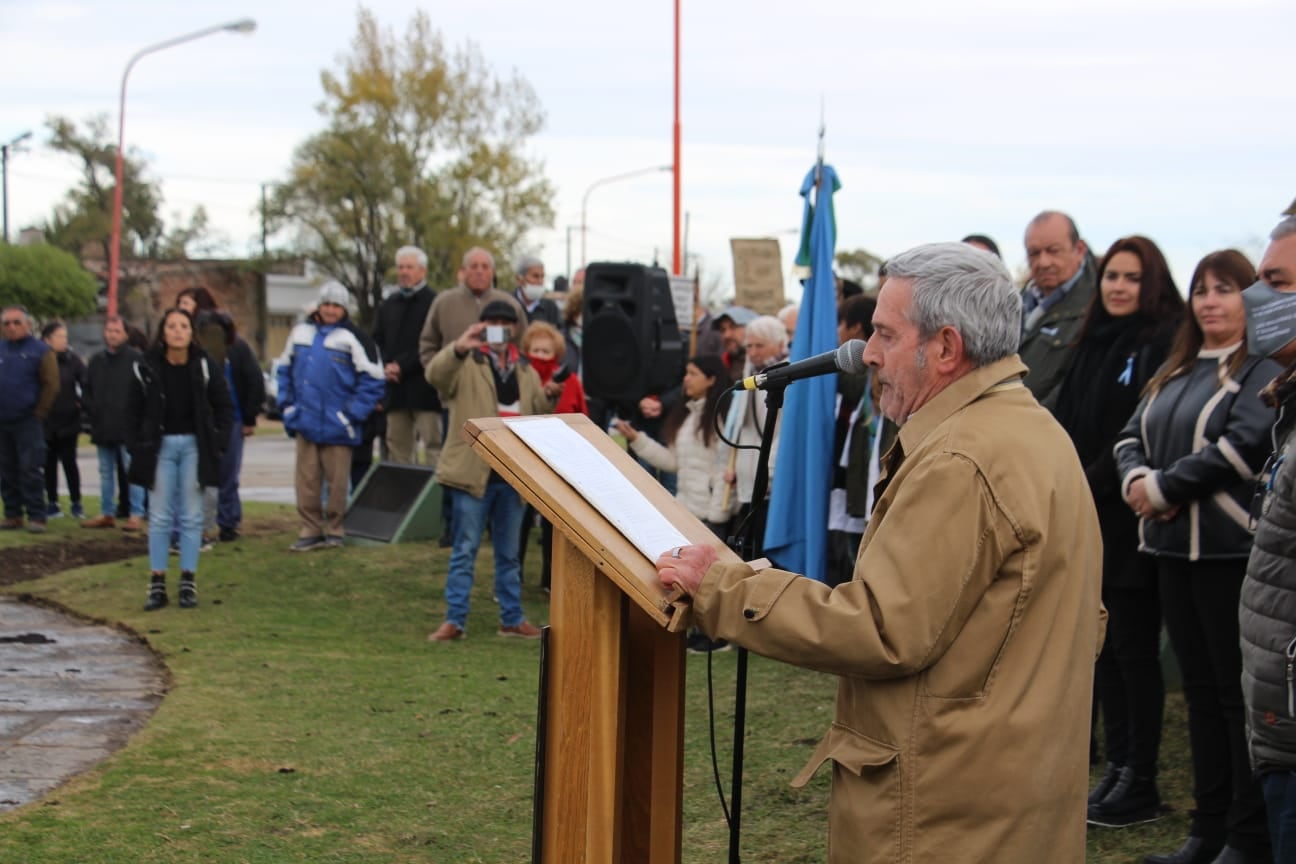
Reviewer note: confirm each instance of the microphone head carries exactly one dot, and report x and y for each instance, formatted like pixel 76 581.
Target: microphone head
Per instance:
pixel 850 357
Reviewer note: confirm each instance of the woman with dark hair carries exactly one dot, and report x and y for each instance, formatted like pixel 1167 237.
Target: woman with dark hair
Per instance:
pixel 218 335
pixel 181 413
pixel 695 454
pixel 1125 337
pixel 692 448
pixel 63 423
pixel 1188 460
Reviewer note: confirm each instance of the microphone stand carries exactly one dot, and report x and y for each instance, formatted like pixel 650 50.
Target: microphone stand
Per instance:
pixel 749 542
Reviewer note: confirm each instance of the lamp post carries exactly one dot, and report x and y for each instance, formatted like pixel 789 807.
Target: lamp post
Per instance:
pixel 243 25
pixel 4 175
pixel 603 182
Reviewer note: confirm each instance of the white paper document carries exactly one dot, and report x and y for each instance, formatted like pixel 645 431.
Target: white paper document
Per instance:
pixel 590 473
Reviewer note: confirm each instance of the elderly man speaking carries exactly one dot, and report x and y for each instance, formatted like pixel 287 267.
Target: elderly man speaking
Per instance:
pixel 966 640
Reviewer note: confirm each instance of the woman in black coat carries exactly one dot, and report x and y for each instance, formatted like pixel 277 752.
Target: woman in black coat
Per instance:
pixel 63 423
pixel 1125 337
pixel 181 412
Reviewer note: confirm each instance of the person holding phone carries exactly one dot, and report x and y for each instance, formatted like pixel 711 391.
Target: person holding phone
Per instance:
pixel 481 374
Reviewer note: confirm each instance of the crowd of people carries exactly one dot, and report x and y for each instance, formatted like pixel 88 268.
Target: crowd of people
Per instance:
pixel 1089 447
pixel 1158 494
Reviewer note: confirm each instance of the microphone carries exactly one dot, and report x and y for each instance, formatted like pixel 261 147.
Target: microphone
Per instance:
pixel 848 358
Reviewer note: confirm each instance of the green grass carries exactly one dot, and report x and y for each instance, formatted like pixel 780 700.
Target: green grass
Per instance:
pixel 310 721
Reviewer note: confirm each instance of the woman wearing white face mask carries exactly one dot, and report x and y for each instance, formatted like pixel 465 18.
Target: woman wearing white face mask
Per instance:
pixel 530 292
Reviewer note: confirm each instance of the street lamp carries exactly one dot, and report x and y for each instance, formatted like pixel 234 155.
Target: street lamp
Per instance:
pixel 243 25
pixel 4 175
pixel 603 182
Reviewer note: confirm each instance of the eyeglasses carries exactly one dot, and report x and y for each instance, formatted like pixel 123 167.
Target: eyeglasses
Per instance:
pixel 12 323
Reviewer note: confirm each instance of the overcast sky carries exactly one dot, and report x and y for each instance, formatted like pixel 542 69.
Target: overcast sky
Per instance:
pixel 944 117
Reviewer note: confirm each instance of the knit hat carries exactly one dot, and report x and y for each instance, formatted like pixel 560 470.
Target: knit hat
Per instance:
pixel 335 293
pixel 499 310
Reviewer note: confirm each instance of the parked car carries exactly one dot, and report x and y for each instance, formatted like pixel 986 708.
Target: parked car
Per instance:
pixel 272 391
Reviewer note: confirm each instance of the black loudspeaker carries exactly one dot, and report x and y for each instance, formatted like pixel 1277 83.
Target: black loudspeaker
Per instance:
pixel 631 345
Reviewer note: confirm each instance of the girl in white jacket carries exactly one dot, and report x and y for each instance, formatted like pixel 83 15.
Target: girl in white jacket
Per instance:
pixel 692 448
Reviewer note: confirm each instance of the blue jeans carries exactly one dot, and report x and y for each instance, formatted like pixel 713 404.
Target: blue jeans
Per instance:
pixel 229 509
pixel 177 471
pixel 1280 801
pixel 22 468
pixel 502 505
pixel 108 461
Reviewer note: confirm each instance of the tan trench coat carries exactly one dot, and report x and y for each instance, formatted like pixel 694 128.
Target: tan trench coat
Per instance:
pixel 965 643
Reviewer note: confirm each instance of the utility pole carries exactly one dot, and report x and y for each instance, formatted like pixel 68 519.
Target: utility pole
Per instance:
pixel 4 175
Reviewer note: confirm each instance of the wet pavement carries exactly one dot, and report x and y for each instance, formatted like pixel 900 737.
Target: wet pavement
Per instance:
pixel 71 692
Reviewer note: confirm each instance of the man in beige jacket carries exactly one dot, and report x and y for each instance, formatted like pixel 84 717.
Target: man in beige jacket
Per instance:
pixel 966 640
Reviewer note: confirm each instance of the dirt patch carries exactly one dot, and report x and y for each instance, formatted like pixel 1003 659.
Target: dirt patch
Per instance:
pixel 32 561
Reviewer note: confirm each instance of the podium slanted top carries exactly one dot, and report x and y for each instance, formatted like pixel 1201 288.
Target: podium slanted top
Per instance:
pixel 612 552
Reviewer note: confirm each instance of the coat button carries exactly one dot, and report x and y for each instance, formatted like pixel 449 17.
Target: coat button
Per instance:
pixel 749 614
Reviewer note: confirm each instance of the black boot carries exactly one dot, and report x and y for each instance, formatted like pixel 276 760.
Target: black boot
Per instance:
pixel 1132 800
pixel 188 591
pixel 157 596
pixel 1105 783
pixel 1195 850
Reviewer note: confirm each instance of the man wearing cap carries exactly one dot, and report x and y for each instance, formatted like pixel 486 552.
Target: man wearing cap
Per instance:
pixel 482 374
pixel 455 310
pixel 330 381
pixel 732 324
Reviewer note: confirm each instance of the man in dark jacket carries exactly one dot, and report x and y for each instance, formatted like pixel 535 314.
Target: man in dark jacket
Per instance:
pixel 108 384
pixel 29 380
pixel 1267 615
pixel 412 407
pixel 530 292
pixel 1063 280
pixel 247 393
pixel 328 387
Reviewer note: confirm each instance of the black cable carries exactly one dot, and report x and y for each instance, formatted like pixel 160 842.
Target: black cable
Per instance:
pixel 715 762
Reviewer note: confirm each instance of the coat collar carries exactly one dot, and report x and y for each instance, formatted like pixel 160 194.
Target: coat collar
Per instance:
pixel 966 390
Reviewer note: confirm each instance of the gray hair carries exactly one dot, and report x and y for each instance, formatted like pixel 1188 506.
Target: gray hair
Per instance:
pixel 526 262
pixel 769 329
pixel 1285 228
pixel 969 289
pixel 478 250
pixel 412 252
pixel 1040 218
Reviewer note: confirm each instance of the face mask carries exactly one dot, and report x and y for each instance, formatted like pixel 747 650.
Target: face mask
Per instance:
pixel 532 292
pixel 1270 317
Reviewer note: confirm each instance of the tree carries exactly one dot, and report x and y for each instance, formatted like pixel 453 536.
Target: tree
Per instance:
pixel 47 280
pixel 85 216
pixel 858 265
pixel 422 146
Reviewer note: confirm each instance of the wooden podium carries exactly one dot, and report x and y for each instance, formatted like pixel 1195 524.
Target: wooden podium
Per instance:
pixel 612 700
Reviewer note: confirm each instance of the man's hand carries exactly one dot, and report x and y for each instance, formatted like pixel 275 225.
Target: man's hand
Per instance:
pixel 249 431
pixel 471 338
pixel 392 372
pixel 685 566
pixel 650 407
